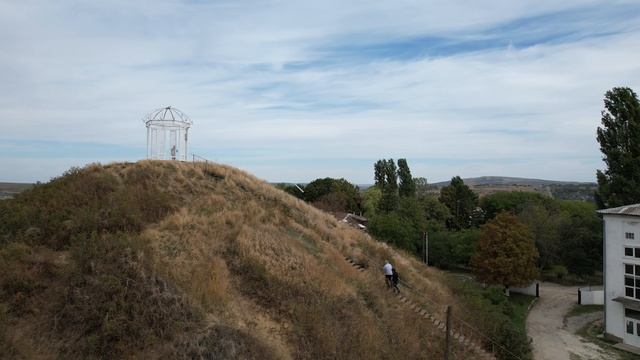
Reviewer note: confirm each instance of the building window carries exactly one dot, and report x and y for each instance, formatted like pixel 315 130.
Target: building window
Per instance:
pixel 629 327
pixel 632 251
pixel 632 281
pixel 629 236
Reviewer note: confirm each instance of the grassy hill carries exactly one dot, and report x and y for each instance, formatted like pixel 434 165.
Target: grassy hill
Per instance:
pixel 506 180
pixel 179 260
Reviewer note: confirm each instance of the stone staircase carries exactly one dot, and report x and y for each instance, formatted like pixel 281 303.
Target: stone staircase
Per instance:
pixel 471 345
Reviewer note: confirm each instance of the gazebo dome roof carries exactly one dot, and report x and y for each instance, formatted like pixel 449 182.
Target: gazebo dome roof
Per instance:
pixel 168 114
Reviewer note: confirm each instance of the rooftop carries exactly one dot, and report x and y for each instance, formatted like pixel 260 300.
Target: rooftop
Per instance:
pixel 628 210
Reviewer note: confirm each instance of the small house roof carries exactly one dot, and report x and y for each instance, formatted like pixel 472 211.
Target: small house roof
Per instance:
pixel 627 210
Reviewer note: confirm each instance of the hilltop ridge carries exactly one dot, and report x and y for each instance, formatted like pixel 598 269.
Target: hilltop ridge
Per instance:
pixel 510 180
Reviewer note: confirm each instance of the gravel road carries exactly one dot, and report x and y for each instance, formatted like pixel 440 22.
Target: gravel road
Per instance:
pixel 552 338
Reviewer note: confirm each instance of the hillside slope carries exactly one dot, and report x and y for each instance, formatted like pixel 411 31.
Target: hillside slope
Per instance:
pixel 182 260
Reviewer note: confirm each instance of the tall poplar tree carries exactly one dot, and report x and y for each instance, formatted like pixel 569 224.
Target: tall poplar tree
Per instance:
pixel 619 139
pixel 389 201
pixel 407 187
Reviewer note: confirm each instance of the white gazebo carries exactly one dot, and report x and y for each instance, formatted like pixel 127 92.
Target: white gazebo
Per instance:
pixel 167 130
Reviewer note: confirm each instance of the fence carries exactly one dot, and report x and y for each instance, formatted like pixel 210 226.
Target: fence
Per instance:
pixel 533 289
pixel 591 295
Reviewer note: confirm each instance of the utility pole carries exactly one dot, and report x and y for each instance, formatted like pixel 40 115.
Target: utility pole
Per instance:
pixel 426 248
pixel 448 334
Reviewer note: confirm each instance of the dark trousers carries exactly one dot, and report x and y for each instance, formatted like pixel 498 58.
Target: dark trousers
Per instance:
pixel 389 280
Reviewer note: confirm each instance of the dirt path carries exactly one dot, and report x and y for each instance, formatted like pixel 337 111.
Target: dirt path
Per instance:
pixel 554 340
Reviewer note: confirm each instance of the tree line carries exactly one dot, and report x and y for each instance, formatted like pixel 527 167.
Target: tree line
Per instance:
pixel 566 234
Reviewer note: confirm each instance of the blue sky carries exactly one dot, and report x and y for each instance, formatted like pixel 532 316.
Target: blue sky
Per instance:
pixel 295 90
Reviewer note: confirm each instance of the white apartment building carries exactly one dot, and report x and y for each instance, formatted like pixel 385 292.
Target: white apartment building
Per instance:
pixel 622 274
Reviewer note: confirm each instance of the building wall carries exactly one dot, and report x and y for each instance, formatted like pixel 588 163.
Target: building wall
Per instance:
pixel 614 234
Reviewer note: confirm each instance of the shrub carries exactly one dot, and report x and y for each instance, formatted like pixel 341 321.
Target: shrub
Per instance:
pixel 558 271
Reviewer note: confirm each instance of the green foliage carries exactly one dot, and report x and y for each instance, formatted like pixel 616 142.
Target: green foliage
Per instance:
pixel 386 178
pixel 505 252
pixel 392 229
pixel 461 201
pixel 333 195
pixel 511 201
pixel 513 341
pixel 452 248
pixel 407 187
pixel 437 213
pixel 556 272
pixel 494 315
pixel 371 200
pixel 544 225
pixel 619 139
pixel 292 190
pixel 581 232
pixel 566 232
pixel 403 228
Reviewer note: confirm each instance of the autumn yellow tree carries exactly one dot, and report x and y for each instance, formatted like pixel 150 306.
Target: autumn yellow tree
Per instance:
pixel 505 252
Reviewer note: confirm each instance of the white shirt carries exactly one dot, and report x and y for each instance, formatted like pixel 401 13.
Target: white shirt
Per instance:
pixel 387 269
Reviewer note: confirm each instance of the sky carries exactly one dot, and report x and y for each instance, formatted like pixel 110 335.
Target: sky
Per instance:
pixel 292 91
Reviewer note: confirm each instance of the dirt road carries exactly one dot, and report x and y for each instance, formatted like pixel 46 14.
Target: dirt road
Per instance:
pixel 554 340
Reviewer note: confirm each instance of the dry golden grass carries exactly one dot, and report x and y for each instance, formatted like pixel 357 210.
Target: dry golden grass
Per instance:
pixel 267 271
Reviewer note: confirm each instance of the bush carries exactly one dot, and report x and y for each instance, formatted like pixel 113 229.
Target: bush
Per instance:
pixel 448 249
pixel 557 272
pixel 490 312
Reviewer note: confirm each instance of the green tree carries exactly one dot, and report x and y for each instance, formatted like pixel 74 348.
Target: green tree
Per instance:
pixel 619 139
pixel 292 190
pixel 580 229
pixel 451 248
pixel 407 187
pixel 437 213
pixel 505 252
pixel 333 195
pixel 387 180
pixel 403 228
pixel 461 201
pixel 543 224
pixel 379 173
pixel 392 228
pixel 511 201
pixel 370 200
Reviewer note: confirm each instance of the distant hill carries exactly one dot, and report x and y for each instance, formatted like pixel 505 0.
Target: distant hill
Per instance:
pixel 506 180
pixel 564 190
pixel 8 189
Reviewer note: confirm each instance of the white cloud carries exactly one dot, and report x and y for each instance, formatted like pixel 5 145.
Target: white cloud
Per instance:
pixel 77 71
